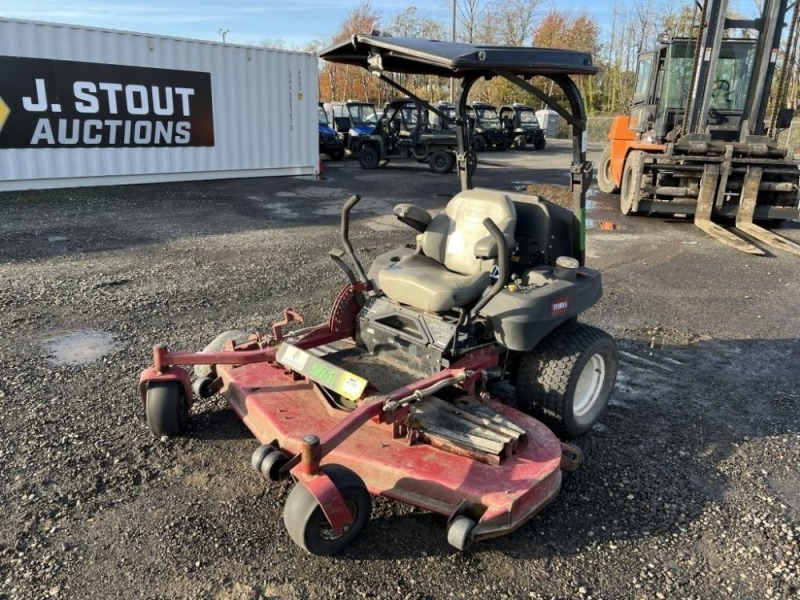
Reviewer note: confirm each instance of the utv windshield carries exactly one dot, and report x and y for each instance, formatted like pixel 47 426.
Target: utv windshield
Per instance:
pixel 362 114
pixel 488 117
pixel 323 118
pixel 528 117
pixel 729 88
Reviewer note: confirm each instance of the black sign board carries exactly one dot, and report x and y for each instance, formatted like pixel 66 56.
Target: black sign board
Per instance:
pixel 58 103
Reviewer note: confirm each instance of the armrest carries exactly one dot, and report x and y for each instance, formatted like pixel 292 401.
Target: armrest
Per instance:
pixel 413 216
pixel 486 248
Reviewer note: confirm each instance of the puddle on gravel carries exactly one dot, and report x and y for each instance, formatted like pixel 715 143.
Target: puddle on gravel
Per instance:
pixel 78 347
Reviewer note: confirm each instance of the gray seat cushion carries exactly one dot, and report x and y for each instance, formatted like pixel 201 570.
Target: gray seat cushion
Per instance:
pixel 453 268
pixel 426 284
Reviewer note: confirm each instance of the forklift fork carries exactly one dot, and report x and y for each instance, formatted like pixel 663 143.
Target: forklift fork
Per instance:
pixel 705 205
pixel 747 207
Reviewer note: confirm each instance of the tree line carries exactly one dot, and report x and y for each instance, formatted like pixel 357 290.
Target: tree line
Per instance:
pixel 632 26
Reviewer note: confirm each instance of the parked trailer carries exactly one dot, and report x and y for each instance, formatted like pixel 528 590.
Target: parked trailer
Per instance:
pixel 82 106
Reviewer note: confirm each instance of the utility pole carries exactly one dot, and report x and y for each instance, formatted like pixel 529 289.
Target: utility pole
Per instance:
pixel 223 33
pixel 453 38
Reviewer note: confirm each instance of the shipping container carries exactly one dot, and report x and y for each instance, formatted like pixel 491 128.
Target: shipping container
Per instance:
pixel 82 106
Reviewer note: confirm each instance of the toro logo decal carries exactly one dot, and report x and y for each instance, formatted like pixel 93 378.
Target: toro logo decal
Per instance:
pixel 560 306
pixel 63 104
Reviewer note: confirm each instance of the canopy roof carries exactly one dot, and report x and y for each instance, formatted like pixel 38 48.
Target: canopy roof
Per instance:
pixel 454 59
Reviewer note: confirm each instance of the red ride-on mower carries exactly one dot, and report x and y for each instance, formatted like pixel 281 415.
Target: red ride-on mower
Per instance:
pixel 392 396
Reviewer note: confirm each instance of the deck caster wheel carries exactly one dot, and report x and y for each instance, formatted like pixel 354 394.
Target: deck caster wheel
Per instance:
pixel 272 464
pixel 306 523
pixel 459 533
pixel 166 408
pixel 259 454
pixel 201 387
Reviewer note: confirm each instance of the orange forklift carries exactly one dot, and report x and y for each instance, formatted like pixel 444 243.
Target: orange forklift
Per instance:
pixel 697 140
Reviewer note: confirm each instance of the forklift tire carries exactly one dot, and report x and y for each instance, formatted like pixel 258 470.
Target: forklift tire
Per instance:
pixel 166 408
pixel 459 533
pixel 218 345
pixel 441 162
pixel 306 523
pixel 368 158
pixel 604 180
pixel 566 381
pixel 627 194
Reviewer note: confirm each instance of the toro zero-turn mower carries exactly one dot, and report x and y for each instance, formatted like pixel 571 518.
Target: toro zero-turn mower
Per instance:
pixel 393 395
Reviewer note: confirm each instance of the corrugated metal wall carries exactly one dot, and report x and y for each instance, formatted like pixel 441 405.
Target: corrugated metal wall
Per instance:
pixel 260 127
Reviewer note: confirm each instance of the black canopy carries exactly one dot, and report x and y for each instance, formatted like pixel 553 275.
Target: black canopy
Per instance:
pixel 454 59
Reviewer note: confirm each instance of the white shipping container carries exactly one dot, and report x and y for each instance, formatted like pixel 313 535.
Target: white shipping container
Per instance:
pixel 81 106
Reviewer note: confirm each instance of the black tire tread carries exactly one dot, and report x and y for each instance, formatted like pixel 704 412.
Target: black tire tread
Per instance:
pixel 545 374
pixel 606 185
pixel 166 409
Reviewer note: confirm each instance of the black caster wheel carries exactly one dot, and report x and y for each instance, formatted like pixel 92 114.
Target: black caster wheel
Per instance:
pixel 306 523
pixel 201 387
pixel 259 454
pixel 272 464
pixel 459 532
pixel 166 408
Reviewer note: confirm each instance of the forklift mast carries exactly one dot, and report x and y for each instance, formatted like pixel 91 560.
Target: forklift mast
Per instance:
pixel 714 23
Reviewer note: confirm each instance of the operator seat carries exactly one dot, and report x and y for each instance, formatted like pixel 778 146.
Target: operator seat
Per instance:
pixel 457 254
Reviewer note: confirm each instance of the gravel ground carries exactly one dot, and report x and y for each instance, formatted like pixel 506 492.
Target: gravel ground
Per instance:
pixel 690 486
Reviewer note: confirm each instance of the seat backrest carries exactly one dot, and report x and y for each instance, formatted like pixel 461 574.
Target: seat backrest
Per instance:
pixel 452 234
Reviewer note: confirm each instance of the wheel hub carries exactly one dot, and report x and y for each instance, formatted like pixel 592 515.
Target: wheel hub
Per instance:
pixel 589 386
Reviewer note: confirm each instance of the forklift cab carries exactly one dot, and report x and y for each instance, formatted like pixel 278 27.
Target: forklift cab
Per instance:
pixel 664 83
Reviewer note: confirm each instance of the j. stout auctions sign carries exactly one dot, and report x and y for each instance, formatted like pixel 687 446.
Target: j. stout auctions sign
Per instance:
pixel 57 103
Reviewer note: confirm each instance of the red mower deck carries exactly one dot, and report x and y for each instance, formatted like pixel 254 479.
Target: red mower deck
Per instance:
pixel 504 496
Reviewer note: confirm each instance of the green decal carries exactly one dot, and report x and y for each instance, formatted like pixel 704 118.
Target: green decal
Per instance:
pixel 322 373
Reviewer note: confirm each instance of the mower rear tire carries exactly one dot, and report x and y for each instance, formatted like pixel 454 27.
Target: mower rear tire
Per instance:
pixel 166 408
pixel 218 345
pixel 307 524
pixel 368 158
pixel 272 464
pixel 441 162
pixel 459 532
pixel 566 381
pixel 604 180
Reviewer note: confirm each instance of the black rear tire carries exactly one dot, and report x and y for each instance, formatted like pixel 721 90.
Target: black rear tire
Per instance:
pixel 306 523
pixel 441 162
pixel 540 144
pixel 566 381
pixel 218 345
pixel 166 408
